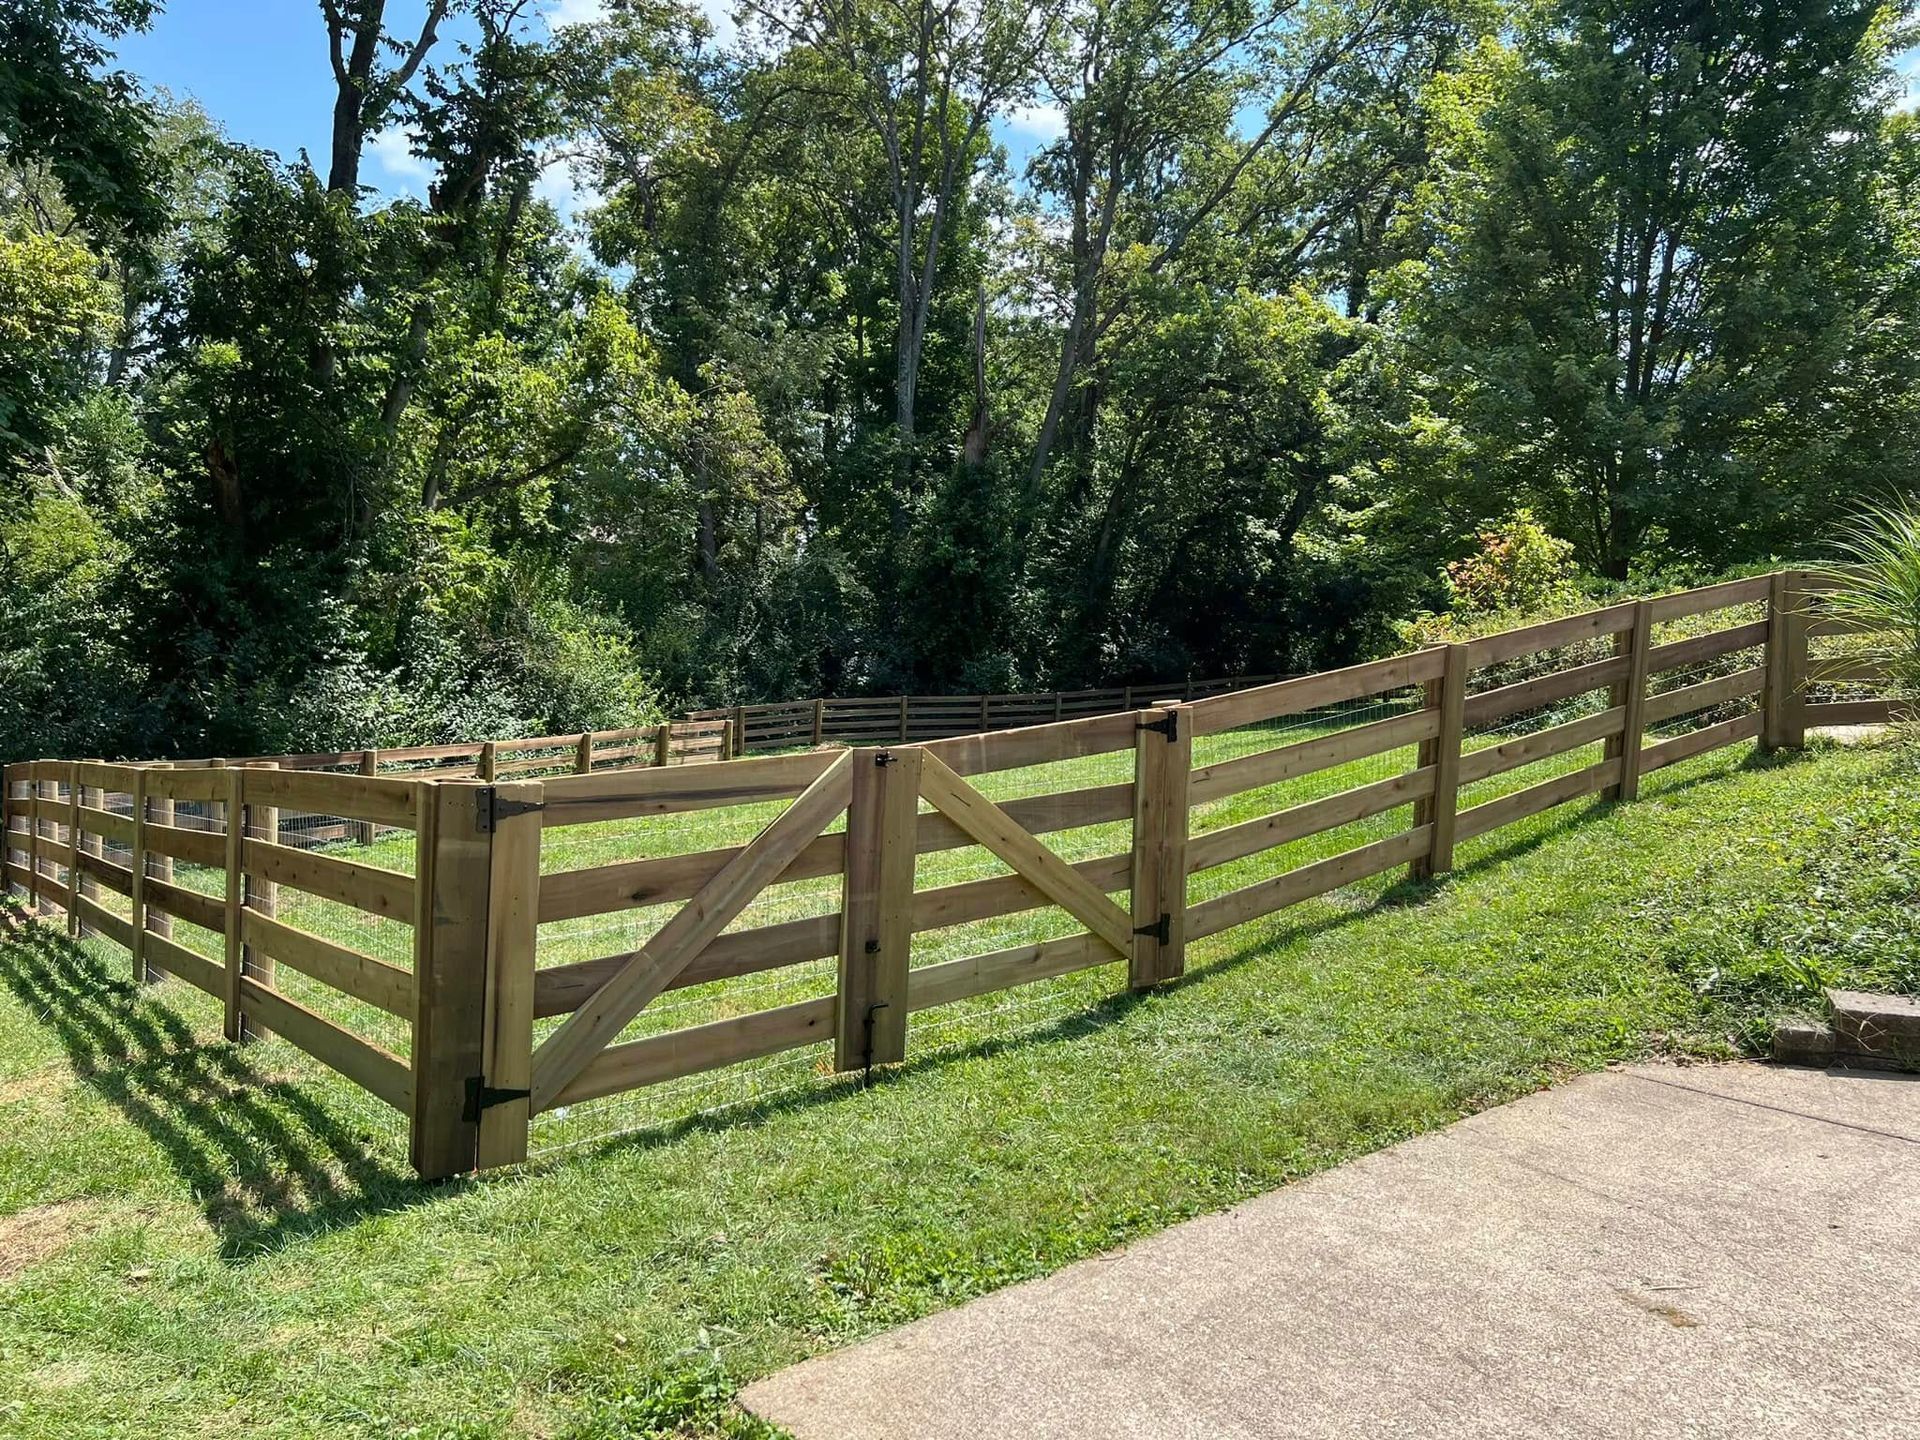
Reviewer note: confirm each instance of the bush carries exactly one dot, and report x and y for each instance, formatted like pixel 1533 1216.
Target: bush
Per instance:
pixel 1880 584
pixel 1520 565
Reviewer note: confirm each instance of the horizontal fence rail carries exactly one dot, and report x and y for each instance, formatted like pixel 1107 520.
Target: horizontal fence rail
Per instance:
pixel 496 951
pixel 889 719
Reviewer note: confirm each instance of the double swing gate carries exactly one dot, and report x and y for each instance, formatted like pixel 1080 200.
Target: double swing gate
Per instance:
pixel 486 957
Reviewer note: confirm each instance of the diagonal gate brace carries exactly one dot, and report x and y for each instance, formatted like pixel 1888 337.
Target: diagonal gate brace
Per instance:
pixel 649 970
pixel 992 827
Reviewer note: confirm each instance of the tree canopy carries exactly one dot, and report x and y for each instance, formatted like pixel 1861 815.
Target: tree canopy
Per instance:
pixel 829 386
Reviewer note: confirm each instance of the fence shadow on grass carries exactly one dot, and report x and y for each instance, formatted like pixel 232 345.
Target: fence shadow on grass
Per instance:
pixel 264 1159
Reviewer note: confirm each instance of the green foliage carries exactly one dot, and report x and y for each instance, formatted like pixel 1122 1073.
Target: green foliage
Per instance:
pixel 1880 589
pixel 54 311
pixel 1656 275
pixel 62 108
pixel 1519 566
pixel 227 1225
pixel 821 392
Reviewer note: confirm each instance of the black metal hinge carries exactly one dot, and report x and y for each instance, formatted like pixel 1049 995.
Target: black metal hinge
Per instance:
pixel 1168 725
pixel 492 808
pixel 482 1096
pixel 1161 929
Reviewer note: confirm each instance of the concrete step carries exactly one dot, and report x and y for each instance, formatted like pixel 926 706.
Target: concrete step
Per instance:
pixel 1879 1032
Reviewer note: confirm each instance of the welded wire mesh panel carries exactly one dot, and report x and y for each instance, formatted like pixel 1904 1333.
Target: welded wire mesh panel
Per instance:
pixel 1580 682
pixel 1307 766
pixel 781 950
pixel 1680 697
pixel 383 1017
pixel 968 903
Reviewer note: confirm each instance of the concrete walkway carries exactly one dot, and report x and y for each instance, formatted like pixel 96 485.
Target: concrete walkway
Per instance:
pixel 1655 1251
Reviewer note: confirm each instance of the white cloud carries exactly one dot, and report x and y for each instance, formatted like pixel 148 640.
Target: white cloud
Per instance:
pixel 1040 123
pixel 558 186
pixel 392 151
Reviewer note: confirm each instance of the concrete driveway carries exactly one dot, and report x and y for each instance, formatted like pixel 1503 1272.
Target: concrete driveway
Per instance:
pixel 1653 1251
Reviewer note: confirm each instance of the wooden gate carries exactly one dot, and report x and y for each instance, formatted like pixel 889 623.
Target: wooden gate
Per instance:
pixel 651 969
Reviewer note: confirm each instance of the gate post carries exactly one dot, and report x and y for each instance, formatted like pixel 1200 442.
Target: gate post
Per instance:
pixel 513 932
pixel 453 873
pixel 476 917
pixel 876 911
pixel 1162 768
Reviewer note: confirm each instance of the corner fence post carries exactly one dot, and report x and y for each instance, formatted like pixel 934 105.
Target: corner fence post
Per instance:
pixel 876 911
pixel 513 930
pixel 1636 643
pixel 1448 696
pixel 1162 769
pixel 452 882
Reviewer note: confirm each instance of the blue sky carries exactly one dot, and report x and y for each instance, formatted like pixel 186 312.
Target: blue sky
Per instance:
pixel 260 69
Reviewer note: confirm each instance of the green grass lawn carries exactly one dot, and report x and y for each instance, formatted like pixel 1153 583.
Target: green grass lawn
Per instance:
pixel 196 1239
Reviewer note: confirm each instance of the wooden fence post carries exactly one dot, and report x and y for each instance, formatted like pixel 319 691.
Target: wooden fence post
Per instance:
pixel 1447 695
pixel 583 755
pixel 876 911
pixel 663 743
pixel 1162 768
pixel 137 867
pixel 34 847
pixel 453 876
pixel 728 741
pixel 93 798
pixel 1783 697
pixel 513 929
pixel 488 761
pixel 739 730
pixel 369 765
pixel 819 720
pixel 257 822
pixel 1630 694
pixel 234 1025
pixel 903 719
pixel 160 867
pixel 73 851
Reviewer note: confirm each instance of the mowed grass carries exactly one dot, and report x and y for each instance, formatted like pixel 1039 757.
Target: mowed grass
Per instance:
pixel 195 1239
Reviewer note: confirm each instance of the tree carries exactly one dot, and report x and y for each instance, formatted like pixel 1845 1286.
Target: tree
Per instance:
pixel 924 77
pixel 62 107
pixel 1653 241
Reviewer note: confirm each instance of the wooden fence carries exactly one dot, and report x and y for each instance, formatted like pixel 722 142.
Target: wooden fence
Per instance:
pixel 884 719
pixel 680 742
pixel 496 1017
